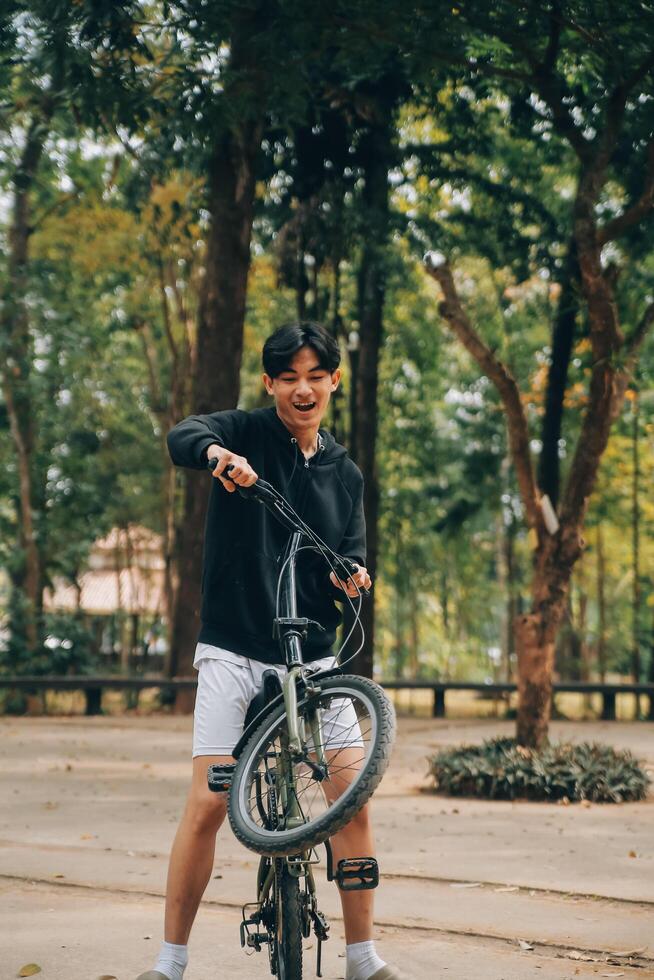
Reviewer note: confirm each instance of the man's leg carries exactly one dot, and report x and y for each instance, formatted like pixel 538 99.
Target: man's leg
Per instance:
pixel 355 840
pixel 192 856
pixel 190 866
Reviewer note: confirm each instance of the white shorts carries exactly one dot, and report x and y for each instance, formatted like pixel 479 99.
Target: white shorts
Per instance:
pixel 227 682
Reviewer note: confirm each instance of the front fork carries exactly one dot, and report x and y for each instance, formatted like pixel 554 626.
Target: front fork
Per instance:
pixel 295 748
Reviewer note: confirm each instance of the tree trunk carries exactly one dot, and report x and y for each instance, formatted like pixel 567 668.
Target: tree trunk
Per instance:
pixel 635 548
pixel 15 364
pixel 601 606
pixel 535 636
pixel 414 653
pixel 562 340
pixel 371 295
pixel 218 363
pixel 336 325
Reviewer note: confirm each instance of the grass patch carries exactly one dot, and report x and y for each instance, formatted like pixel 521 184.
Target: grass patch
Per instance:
pixel 500 769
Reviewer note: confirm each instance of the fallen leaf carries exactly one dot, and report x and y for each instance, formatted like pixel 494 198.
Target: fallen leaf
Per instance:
pixel 508 888
pixel 524 945
pixel 29 970
pixel 59 876
pixel 611 974
pixel 87 837
pixel 107 976
pixel 632 854
pixel 466 884
pixel 574 954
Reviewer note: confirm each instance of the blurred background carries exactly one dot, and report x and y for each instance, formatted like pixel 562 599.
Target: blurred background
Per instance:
pixel 179 179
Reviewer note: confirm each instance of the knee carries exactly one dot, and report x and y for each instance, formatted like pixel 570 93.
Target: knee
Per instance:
pixel 206 811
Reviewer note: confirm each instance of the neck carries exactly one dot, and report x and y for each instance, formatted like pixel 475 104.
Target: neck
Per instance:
pixel 307 439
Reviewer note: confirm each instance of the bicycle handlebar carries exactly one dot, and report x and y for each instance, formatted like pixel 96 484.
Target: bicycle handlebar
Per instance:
pixel 260 489
pixel 266 494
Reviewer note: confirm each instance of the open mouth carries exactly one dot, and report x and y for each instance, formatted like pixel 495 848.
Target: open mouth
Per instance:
pixel 304 406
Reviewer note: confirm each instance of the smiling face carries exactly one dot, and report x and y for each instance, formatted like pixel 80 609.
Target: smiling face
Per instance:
pixel 302 391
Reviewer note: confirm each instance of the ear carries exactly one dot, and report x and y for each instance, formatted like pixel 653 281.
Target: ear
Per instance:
pixel 268 383
pixel 336 378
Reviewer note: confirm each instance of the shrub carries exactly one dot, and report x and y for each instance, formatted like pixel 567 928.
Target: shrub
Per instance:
pixel 500 769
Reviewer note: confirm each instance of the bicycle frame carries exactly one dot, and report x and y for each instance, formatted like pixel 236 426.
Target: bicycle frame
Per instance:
pixel 290 631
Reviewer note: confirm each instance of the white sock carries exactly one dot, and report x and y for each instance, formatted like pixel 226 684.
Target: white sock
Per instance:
pixel 362 960
pixel 172 960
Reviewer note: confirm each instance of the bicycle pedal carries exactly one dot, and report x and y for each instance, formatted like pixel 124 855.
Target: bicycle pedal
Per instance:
pixel 219 777
pixel 357 874
pixel 251 938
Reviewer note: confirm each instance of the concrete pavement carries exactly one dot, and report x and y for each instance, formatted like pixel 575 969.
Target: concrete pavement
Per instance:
pixel 90 807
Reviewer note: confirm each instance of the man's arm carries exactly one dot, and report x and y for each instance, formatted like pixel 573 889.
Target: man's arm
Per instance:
pixel 190 439
pixel 353 545
pixel 198 438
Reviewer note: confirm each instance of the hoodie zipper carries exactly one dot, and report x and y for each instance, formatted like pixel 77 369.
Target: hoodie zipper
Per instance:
pixel 307 466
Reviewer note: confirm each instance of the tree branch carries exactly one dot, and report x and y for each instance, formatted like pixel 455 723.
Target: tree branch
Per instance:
pixel 593 438
pixel 166 316
pixel 143 330
pixel 553 42
pixel 607 389
pixel 455 316
pixel 638 73
pixel 64 199
pixel 614 228
pixel 550 88
pixel 635 340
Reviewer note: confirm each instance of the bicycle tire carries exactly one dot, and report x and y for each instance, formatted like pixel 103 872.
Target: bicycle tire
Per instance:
pixel 287 841
pixel 289 925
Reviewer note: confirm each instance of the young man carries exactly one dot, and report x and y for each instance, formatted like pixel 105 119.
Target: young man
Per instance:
pixel 285 446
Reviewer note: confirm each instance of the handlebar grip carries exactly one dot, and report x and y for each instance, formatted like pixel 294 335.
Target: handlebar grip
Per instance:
pixel 211 465
pixel 257 491
pixel 350 567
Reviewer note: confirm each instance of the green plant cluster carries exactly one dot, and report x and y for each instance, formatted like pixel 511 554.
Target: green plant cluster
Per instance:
pixel 500 769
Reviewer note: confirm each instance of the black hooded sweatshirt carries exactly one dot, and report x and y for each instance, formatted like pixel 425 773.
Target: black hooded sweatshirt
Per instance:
pixel 243 542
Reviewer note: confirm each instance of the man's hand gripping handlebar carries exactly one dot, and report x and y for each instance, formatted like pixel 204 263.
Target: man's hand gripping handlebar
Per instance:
pixel 356 579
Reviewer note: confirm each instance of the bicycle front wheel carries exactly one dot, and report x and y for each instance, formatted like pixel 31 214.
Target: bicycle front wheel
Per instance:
pixel 347 729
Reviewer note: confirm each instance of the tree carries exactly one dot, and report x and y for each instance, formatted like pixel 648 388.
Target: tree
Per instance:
pixel 596 111
pixel 44 78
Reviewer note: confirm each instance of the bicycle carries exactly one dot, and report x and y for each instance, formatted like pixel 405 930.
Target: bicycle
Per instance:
pixel 313 754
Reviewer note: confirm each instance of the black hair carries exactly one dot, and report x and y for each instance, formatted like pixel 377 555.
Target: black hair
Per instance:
pixel 282 346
